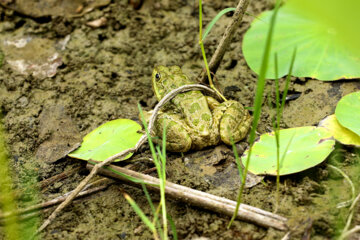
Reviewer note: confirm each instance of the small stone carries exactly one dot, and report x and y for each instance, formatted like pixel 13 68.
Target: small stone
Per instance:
pixel 97 23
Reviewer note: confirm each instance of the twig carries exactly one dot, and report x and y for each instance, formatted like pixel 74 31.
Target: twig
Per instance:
pixel 43 184
pixel 350 232
pixel 287 236
pixel 141 141
pixel 226 39
pixel 201 199
pixel 54 202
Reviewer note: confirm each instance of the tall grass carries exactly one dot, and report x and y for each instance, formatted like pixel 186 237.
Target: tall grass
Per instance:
pixel 276 122
pixel 257 106
pixel 201 38
pixel 159 158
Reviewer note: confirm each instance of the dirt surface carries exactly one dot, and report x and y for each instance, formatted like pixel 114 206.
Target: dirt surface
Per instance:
pixel 60 70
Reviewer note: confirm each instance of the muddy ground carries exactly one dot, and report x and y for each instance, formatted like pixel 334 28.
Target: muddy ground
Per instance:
pixel 61 78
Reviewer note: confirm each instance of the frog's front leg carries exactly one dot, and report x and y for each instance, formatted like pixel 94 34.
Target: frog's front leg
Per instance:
pixel 177 137
pixel 234 121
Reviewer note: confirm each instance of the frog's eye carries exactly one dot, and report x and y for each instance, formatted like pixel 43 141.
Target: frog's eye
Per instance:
pixel 157 76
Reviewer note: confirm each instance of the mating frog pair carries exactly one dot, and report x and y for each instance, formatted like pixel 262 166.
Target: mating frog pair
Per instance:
pixel 193 120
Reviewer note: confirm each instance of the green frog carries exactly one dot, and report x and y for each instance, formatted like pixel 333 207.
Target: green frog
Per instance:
pixel 192 119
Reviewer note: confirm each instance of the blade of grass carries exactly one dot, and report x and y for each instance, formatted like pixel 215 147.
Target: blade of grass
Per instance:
pixel 204 54
pixel 140 213
pixel 163 182
pixel 237 159
pixel 160 167
pixel 173 227
pixel 277 135
pixel 257 105
pixel 148 198
pixel 215 19
pixel 287 81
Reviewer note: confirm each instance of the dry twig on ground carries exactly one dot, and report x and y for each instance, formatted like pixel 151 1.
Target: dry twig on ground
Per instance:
pixel 200 199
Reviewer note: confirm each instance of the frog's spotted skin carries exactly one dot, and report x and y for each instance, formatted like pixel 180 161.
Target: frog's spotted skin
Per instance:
pixel 195 121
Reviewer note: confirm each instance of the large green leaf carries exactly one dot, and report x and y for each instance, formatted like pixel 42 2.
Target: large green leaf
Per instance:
pixel 320 54
pixel 108 139
pixel 305 148
pixel 348 112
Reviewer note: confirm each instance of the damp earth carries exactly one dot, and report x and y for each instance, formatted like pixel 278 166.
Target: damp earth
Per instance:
pixel 71 68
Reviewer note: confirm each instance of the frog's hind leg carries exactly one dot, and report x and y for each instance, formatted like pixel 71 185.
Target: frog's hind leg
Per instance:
pixel 235 122
pixel 177 137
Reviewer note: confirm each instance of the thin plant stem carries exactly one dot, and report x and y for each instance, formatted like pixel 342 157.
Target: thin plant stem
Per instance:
pixel 277 134
pixel 159 169
pixel 279 111
pixel 141 214
pixel 257 106
pixel 163 182
pixel 204 54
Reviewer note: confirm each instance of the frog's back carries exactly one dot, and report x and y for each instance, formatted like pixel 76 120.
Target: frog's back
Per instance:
pixel 192 104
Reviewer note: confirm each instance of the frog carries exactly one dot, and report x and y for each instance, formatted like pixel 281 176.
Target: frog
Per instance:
pixel 192 119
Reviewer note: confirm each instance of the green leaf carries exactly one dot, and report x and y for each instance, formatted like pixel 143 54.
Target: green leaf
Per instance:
pixel 348 112
pixel 340 15
pixel 108 139
pixel 340 133
pixel 211 24
pixel 319 53
pixel 304 147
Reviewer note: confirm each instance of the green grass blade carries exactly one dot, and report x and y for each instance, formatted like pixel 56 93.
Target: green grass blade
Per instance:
pixel 140 213
pixel 277 134
pixel 257 106
pixel 288 81
pixel 237 159
pixel 173 227
pixel 148 198
pixel 215 19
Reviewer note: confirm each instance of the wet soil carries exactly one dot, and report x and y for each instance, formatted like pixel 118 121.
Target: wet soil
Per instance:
pixel 71 77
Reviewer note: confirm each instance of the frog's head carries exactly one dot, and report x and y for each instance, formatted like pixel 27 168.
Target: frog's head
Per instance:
pixel 165 79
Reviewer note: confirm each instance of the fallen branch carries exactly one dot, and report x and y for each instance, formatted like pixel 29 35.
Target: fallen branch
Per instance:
pixel 31 209
pixel 141 141
pixel 226 39
pixel 43 184
pixel 200 199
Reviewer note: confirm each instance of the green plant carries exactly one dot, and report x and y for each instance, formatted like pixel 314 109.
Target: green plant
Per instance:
pixel 159 158
pixel 276 121
pixel 201 38
pixel 257 106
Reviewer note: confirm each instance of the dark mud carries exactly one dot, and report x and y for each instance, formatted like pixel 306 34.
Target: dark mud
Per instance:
pixel 100 74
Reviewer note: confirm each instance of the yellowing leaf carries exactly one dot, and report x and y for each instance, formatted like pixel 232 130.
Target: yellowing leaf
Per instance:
pixel 340 133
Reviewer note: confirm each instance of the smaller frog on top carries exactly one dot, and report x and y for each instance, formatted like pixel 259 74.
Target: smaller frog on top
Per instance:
pixel 192 119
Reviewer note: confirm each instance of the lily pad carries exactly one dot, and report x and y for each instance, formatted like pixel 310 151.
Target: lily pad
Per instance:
pixel 319 52
pixel 340 133
pixel 108 140
pixel 305 147
pixel 348 112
